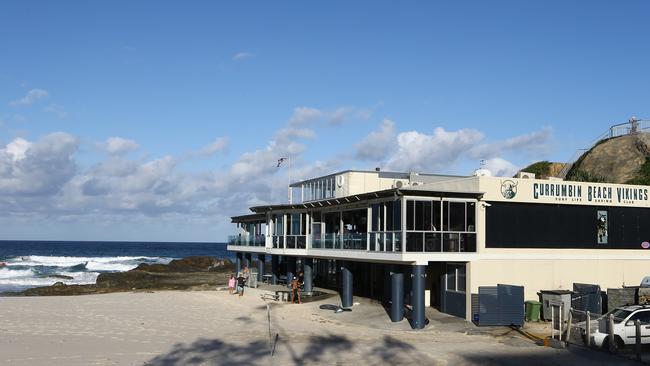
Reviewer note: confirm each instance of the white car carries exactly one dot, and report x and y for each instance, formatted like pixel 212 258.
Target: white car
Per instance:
pixel 624 329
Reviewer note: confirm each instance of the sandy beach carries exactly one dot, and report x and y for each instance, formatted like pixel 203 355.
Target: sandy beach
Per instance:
pixel 215 328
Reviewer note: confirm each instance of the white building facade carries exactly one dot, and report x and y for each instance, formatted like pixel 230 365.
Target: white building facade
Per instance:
pixel 449 235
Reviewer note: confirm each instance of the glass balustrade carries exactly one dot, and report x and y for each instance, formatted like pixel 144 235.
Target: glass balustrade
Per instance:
pixel 247 240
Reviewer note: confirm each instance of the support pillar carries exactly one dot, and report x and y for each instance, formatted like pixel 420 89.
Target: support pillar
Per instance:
pixel 291 269
pixel 346 284
pixel 397 296
pixel 275 268
pixel 238 263
pixel 261 267
pixel 418 279
pixel 308 273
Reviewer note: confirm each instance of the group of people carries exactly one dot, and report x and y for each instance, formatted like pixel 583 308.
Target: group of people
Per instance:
pixel 236 284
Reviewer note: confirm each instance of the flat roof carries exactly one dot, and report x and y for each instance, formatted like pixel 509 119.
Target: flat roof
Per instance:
pixel 256 217
pixel 382 174
pixel 367 196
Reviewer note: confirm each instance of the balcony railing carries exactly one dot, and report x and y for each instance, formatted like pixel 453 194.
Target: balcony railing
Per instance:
pixel 386 241
pixel 358 241
pixel 448 242
pixel 246 240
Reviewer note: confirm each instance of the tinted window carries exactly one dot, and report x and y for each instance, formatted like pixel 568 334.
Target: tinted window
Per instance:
pixel 410 215
pixel 457 216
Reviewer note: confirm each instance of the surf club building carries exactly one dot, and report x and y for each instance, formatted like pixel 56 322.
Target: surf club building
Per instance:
pixel 433 240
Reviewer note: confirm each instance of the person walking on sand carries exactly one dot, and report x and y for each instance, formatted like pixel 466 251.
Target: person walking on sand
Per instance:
pixel 246 273
pixel 231 284
pixel 241 282
pixel 295 290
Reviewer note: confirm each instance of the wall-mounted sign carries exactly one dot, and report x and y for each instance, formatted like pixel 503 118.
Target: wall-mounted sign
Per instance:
pixel 508 189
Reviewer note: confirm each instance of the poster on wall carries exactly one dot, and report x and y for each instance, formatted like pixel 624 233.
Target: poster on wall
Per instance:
pixel 601 225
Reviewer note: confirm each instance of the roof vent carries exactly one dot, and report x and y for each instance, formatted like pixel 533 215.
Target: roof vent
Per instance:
pixel 377 169
pixel 525 175
pixel 482 173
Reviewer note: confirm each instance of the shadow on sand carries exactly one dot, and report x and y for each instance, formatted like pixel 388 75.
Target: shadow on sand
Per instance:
pixel 328 349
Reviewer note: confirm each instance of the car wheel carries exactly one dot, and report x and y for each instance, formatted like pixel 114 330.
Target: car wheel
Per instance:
pixel 618 344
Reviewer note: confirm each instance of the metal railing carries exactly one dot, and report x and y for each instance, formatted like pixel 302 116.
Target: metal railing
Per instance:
pixel 247 240
pixel 386 241
pixel 441 241
pixel 351 241
pixel 606 333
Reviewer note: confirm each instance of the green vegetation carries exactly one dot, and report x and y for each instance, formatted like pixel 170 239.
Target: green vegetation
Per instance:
pixel 579 175
pixel 540 168
pixel 643 176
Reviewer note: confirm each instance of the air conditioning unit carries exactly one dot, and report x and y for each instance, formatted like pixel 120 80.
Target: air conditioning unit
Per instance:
pixel 415 184
pixel 525 175
pixel 398 184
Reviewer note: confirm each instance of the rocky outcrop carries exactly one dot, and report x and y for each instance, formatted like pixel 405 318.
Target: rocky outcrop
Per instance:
pixel 615 160
pixel 189 264
pixel 191 273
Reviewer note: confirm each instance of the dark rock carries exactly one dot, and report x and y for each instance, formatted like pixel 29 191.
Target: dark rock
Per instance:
pixel 63 277
pixel 189 264
pixel 191 273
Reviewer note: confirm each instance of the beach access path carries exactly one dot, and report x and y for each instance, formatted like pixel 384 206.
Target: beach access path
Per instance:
pixel 214 328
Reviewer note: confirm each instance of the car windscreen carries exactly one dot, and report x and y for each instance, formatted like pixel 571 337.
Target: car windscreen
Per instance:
pixel 619 315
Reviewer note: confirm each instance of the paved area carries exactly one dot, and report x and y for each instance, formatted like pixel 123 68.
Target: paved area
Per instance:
pixel 215 328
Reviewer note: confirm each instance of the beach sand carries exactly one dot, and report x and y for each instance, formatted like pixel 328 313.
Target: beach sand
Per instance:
pixel 215 328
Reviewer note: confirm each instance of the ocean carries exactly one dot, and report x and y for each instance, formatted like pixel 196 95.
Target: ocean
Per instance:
pixel 42 263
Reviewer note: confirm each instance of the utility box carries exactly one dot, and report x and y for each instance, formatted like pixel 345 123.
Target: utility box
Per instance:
pixel 553 297
pixel 252 279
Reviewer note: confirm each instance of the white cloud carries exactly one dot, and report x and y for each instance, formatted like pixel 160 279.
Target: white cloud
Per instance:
pixel 56 109
pixel 378 144
pixel 500 167
pixel 218 145
pixel 119 146
pixel 37 168
pixel 32 96
pixel 343 114
pixel 242 55
pixel 305 115
pixel 439 151
pixel 533 144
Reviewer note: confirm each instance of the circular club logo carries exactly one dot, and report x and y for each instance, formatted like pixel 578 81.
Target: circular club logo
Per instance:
pixel 508 189
pixel 645 245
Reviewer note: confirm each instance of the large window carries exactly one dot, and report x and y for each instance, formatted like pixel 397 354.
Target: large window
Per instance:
pixel 386 226
pixel 456 278
pixel 435 225
pixel 319 189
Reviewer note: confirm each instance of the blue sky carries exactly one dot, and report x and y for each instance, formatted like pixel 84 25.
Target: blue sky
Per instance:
pixel 158 120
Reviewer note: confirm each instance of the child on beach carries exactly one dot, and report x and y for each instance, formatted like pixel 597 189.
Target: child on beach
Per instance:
pixel 231 284
pixel 241 282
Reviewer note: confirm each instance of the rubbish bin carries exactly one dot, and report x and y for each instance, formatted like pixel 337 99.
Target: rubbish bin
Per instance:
pixel 549 297
pixel 532 310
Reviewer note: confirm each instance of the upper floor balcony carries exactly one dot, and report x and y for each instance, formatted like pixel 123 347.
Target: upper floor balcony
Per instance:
pixel 247 240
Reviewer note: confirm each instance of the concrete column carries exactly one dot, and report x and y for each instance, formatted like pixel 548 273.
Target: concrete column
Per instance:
pixel 275 268
pixel 308 273
pixel 291 269
pixel 346 284
pixel 397 296
pixel 418 278
pixel 238 262
pixel 261 267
